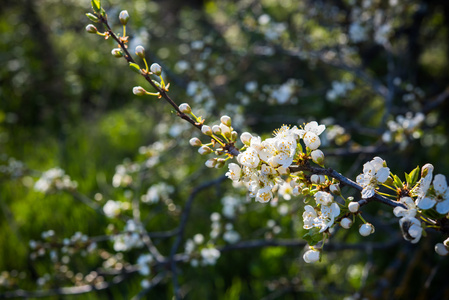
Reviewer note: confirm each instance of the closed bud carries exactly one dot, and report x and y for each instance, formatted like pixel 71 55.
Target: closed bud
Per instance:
pixel 311 256
pixel 353 207
pixel 211 162
pixel 317 156
pixel 140 52
pixel 226 120
pixel 91 28
pixel 234 135
pixel 441 249
pixel 246 138
pixel 156 69
pixel 216 130
pixel 195 142
pixel 225 130
pixel 366 229
pixel 206 130
pixel 117 52
pixel 139 91
pixel 283 170
pixel 315 179
pixel 203 150
pixel 220 163
pixel 335 189
pixel 346 223
pixel 123 17
pixel 185 108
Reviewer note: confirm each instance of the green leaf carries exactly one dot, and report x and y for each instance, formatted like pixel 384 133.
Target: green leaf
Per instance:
pixel 397 182
pixel 96 5
pixel 313 236
pixel 414 174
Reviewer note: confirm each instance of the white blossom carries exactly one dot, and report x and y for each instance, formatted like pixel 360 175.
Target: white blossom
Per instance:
pixel 373 173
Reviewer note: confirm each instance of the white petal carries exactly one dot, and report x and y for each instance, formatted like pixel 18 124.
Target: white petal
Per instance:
pixel 426 203
pixel 382 174
pixel 367 192
pixel 440 184
pixel 399 211
pixel 443 207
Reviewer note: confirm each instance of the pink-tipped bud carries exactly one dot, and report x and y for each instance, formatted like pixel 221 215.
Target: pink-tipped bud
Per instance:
pixel 123 17
pixel 185 108
pixel 91 28
pixel 156 69
pixel 140 52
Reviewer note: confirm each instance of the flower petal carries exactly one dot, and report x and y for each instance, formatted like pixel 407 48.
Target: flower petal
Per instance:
pixel 443 207
pixel 426 203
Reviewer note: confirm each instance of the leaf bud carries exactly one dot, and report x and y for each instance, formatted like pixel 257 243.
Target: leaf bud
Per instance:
pixel 185 108
pixel 140 51
pixel 124 17
pixel 92 17
pixel 156 69
pixel 96 5
pixel 135 68
pixel 139 91
pixel 91 28
pixel 117 52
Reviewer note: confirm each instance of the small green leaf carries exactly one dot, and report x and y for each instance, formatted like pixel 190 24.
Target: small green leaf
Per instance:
pixel 92 17
pixel 414 174
pixel 96 5
pixel 135 67
pixel 313 236
pixel 397 182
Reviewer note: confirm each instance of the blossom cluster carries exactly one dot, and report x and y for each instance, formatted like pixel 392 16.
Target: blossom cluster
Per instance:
pixel 262 163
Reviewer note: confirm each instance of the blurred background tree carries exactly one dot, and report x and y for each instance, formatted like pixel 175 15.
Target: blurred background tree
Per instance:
pixel 366 69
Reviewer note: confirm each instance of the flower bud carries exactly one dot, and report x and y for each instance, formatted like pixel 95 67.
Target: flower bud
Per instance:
pixel 220 163
pixel 353 207
pixel 117 52
pixel 156 69
pixel 140 51
pixel 225 130
pixel 317 156
pixel 203 150
pixel 311 256
pixel 283 170
pixel 246 138
pixel 366 229
pixel 216 130
pixel 346 223
pixel 446 243
pixel 226 120
pixel 185 108
pixel 441 249
pixel 139 91
pixel 317 179
pixel 211 162
pixel 234 135
pixel 195 142
pixel 91 28
pixel 335 189
pixel 206 130
pixel 123 17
